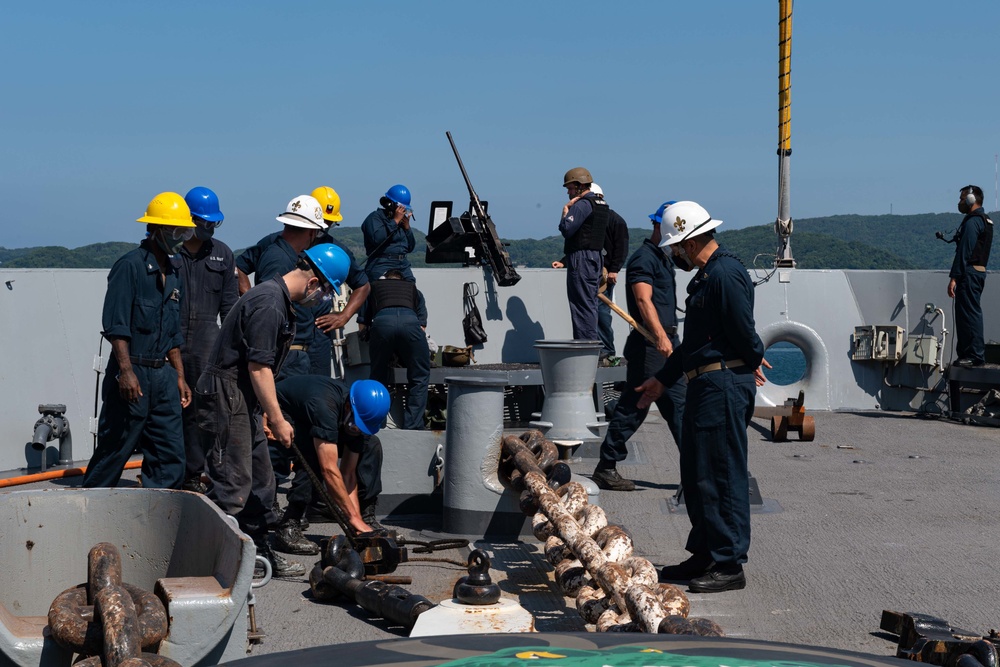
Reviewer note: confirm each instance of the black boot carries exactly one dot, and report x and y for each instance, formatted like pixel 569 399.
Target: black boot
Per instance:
pixel 281 567
pixel 695 566
pixel 195 484
pixel 610 480
pixel 319 512
pixel 288 537
pixel 368 515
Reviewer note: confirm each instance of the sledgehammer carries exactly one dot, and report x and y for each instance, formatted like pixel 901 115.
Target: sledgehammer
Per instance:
pixel 602 286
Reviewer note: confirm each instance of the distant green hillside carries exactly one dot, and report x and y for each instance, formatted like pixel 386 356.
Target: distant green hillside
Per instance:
pixel 859 242
pixel 836 242
pixel 94 256
pixel 810 250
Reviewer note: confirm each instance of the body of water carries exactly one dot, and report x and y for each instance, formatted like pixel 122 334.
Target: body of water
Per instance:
pixel 788 363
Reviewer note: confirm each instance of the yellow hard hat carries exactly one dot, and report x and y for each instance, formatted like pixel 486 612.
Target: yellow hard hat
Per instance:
pixel 330 201
pixel 168 208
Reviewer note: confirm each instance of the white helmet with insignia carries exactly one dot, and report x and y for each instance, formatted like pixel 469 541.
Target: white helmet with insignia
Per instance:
pixel 304 211
pixel 685 219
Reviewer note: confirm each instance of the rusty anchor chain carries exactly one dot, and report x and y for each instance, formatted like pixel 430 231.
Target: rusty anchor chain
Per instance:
pixel 107 621
pixel 614 590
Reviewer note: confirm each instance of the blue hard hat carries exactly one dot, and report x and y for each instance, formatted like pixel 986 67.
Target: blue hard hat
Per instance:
pixel 399 194
pixel 370 402
pixel 331 261
pixel 204 204
pixel 658 216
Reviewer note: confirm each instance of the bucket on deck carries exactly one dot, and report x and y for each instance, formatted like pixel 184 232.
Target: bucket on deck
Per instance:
pixel 569 368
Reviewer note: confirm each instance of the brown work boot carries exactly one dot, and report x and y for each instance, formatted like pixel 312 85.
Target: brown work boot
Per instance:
pixel 610 480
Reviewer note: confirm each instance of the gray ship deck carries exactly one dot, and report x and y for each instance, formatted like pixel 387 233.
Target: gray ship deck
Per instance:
pixel 881 511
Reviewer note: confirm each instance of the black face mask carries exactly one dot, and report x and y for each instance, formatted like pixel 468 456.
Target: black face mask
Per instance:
pixel 170 245
pixel 203 232
pixel 682 261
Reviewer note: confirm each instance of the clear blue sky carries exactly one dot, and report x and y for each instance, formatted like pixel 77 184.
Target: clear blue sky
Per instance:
pixel 108 103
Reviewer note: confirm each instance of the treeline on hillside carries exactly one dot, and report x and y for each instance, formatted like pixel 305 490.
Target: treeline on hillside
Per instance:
pixel 94 256
pixel 888 242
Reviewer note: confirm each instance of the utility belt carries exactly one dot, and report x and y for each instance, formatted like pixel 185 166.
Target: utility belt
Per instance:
pixel 299 348
pixel 717 366
pixel 395 258
pixel 148 362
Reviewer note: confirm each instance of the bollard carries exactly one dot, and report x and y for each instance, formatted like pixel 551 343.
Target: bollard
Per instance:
pixel 475 502
pixel 569 368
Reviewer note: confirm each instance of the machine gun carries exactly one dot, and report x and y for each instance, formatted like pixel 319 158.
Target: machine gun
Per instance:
pixel 471 238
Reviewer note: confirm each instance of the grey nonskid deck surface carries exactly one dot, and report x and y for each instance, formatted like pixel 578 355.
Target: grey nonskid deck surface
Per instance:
pixel 852 538
pixel 907 520
pixel 881 511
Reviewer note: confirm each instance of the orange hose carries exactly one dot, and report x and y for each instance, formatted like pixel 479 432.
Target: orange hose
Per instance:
pixel 55 474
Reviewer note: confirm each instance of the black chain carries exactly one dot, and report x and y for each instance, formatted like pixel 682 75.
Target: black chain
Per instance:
pixel 435 545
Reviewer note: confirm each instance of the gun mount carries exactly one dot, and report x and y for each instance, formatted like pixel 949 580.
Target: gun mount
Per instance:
pixel 470 238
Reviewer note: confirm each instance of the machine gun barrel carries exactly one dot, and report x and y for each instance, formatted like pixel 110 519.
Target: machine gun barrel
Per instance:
pixel 492 251
pixel 473 197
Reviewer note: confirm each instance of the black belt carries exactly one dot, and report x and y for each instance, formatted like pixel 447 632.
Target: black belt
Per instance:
pixel 670 331
pixel 149 362
pixel 398 258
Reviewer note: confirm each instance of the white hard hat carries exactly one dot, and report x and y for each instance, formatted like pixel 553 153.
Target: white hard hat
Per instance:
pixel 687 219
pixel 304 211
pixel 596 189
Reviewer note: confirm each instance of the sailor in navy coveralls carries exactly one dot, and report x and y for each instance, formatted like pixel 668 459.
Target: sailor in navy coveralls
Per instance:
pixel 968 276
pixel 583 224
pixel 720 355
pixel 334 424
pixel 388 238
pixel 651 299
pixel 237 390
pixel 144 388
pixel 207 272
pixel 399 317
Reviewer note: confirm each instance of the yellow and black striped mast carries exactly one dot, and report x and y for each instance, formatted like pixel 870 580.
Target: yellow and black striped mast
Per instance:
pixel 783 225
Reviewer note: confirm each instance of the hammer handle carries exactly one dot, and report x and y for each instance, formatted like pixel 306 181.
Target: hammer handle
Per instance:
pixel 628 318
